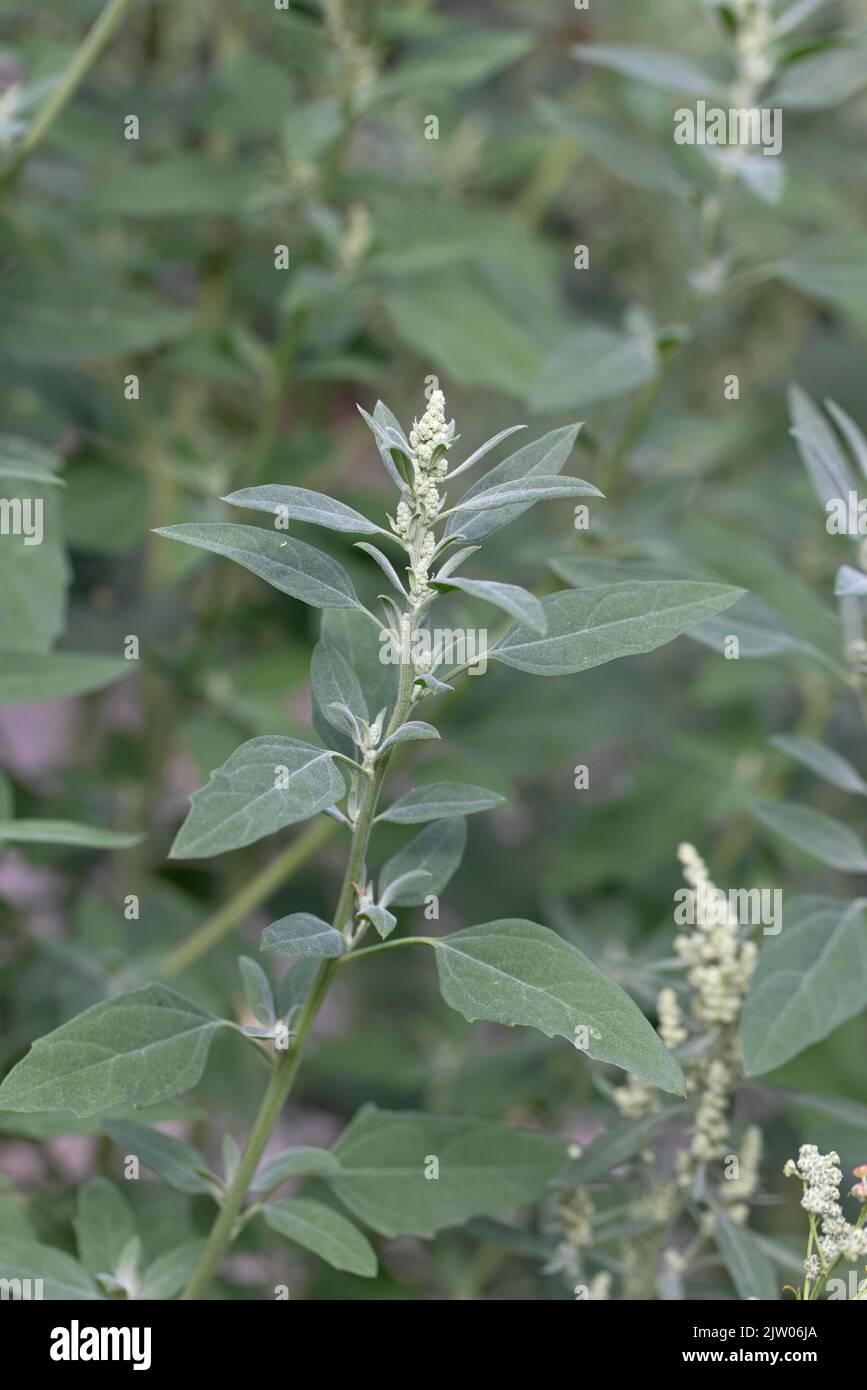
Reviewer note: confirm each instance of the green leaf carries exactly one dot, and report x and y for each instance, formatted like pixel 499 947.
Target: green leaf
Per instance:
pixel 414 730
pixel 182 1166
pixel 134 1049
pixel 437 851
pixel 267 784
pixel 537 488
pixel 591 365
pixel 329 1235
pixel 333 681
pixel 64 832
pixel 822 760
pixel 316 508
pixel 62 1277
pixel 587 627
pixel 302 934
pixel 759 630
pixel 104 1224
pixel 615 1145
pixel 652 65
pixel 483 1167
pixel 809 979
pixel 439 801
pixel 822 836
pixel 24 458
pixel 511 598
pixel 34 571
pixel 458 326
pixel 380 918
pixel 624 152
pixel 544 457
pixel 752 1273
pixel 517 972
pixel 817 81
pixel 257 991
pixel 821 451
pixel 35 678
pixel 288 565
pixel 295 1163
pixel 171 1272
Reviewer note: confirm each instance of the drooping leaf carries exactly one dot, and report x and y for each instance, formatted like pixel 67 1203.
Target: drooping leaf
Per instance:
pixel 181 1165
pixel 822 760
pixel 517 972
pixel 615 1145
pixel 325 1232
pixel 267 784
pixel 652 65
pixel 170 1272
pixel 809 979
pixel 302 934
pixel 136 1049
pixel 295 1163
pixel 291 566
pixel 822 836
pixel 544 457
pixel 63 1278
pixel 437 850
pixel 388 1180
pixel 63 832
pixel 593 364
pixel 31 678
pixel 104 1224
pixel 511 598
pixel 587 627
pixel 316 508
pixel 380 918
pixel 752 1273
pixel 438 801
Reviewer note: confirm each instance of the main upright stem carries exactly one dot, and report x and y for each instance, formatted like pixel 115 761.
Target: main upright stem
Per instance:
pixel 286 1067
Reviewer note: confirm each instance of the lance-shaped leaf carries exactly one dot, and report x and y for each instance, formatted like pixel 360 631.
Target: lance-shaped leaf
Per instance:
pixel 323 1231
pixel 483 449
pixel 510 597
pixel 517 972
pixel 266 784
pixel 295 1163
pixel 37 678
pixel 587 627
pixel 482 1167
pixel 822 836
pixel 525 490
pixel 182 1166
pixel 302 934
pixel 288 565
pixel 170 1272
pixel 439 801
pixel 824 761
pixel 334 682
pixel 385 565
pixel 257 991
pixel 392 443
pixel 652 65
pixel 132 1049
pixel 615 1145
pixel 751 1271
pixel 544 457
pixel 64 832
pixel 437 851
pixel 103 1225
pixel 62 1278
pixel 299 503
pixel 809 979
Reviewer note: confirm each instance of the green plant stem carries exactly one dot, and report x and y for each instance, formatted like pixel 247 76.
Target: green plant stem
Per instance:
pixel 254 892
pixel 82 61
pixel 286 1068
pixel 386 946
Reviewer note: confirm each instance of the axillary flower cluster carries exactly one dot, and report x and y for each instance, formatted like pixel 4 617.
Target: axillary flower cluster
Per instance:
pixel 430 439
pixel 720 967
pixel 832 1237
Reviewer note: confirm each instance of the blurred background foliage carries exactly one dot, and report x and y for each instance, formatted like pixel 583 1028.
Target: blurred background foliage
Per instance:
pixel 410 257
